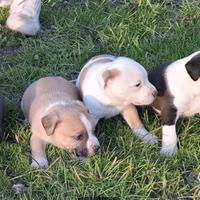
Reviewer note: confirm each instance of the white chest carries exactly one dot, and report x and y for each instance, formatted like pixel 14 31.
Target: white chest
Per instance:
pixel 109 111
pixel 100 110
pixel 188 105
pixel 192 107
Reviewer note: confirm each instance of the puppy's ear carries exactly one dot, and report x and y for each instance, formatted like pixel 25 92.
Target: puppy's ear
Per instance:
pixel 193 67
pixel 49 122
pixel 107 76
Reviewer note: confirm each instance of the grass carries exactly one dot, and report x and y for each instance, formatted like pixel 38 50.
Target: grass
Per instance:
pixel 150 31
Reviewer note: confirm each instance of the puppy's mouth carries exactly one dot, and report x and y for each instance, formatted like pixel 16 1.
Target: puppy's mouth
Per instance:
pixel 82 153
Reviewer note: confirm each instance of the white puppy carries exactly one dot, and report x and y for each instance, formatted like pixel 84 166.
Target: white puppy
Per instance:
pixel 112 85
pixel 24 16
pixel 178 85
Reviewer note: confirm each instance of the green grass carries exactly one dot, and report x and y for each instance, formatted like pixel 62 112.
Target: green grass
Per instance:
pixel 149 31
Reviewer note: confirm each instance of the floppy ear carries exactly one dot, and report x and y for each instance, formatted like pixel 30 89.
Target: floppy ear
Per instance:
pixel 49 122
pixel 193 67
pixel 108 75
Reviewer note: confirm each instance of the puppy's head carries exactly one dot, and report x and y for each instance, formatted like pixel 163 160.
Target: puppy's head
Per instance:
pixel 126 80
pixel 71 128
pixel 193 67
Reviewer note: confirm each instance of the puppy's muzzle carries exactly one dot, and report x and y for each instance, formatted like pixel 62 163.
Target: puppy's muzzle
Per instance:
pixel 93 149
pixel 86 152
pixel 81 152
pixel 96 148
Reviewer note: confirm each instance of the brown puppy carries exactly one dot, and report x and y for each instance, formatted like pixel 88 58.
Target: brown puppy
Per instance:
pixel 2 105
pixel 52 107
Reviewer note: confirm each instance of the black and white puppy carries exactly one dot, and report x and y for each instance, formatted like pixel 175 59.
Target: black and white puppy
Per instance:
pixel 178 85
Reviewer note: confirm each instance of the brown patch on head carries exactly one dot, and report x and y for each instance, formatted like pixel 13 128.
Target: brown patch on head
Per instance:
pixel 85 70
pixel 49 122
pixel 109 75
pixel 71 118
pixel 70 133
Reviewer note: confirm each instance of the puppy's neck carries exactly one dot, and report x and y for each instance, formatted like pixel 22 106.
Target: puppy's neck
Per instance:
pixel 57 103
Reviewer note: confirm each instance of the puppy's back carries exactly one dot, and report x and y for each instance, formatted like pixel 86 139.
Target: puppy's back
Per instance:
pixel 46 91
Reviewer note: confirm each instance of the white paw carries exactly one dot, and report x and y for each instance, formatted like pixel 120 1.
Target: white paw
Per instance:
pixel 41 162
pixel 169 140
pixel 145 136
pixel 168 150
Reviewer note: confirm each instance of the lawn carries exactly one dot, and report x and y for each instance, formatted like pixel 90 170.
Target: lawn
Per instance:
pixel 72 31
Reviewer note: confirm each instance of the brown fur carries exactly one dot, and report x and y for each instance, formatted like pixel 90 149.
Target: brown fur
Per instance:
pixel 58 124
pixel 130 114
pixel 108 75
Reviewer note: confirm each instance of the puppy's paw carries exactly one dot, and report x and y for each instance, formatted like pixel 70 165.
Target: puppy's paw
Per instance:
pixel 145 136
pixel 42 162
pixel 168 150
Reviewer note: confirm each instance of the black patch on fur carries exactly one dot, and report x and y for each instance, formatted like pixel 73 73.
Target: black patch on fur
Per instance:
pixel 168 114
pixel 157 78
pixel 193 67
pixel 164 101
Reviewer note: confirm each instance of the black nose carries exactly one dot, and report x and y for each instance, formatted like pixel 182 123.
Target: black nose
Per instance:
pixel 155 93
pixel 96 148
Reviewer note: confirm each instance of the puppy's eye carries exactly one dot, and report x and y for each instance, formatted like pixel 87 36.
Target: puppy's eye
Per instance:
pixel 79 136
pixel 138 84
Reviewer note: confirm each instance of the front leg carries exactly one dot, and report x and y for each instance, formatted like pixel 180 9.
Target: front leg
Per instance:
pixel 169 138
pixel 95 119
pixel 38 147
pixel 130 114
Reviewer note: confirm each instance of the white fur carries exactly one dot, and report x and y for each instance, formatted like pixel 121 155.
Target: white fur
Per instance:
pixel 186 93
pixel 122 92
pixel 169 140
pixel 183 88
pixel 24 16
pixel 54 104
pixel 39 162
pixel 92 141
pixel 5 3
pixel 144 135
